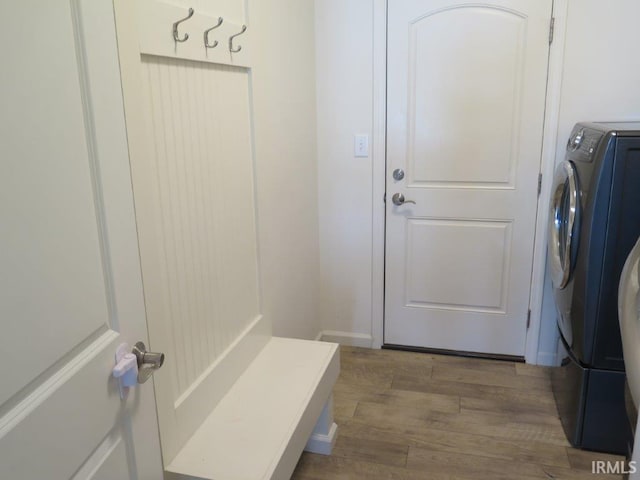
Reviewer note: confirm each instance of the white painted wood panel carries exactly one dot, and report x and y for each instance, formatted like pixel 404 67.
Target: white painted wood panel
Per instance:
pixel 465 111
pixel 109 462
pixel 448 121
pixel 476 275
pixel 63 255
pixel 191 143
pixel 204 170
pixel 155 34
pixel 70 289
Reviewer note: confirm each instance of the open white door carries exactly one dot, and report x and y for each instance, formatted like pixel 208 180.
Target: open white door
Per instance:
pixel 465 111
pixel 70 288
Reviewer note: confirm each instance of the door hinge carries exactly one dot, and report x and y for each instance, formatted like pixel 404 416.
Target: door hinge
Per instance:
pixel 384 198
pixel 528 319
pixel 552 25
pixel 539 183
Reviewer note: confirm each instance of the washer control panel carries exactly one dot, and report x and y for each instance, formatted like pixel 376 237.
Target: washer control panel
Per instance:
pixel 583 143
pixel 575 140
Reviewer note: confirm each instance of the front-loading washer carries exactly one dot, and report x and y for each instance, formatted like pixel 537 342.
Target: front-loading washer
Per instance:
pixel 594 223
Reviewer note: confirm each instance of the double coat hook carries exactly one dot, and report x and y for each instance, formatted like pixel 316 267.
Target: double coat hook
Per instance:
pixel 236 50
pixel 176 37
pixel 206 34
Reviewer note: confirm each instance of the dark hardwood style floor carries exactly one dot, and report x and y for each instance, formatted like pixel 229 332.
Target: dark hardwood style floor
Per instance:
pixel 404 415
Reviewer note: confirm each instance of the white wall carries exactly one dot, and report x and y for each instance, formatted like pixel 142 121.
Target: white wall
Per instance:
pixel 286 163
pixel 344 88
pixel 601 78
pixel 600 81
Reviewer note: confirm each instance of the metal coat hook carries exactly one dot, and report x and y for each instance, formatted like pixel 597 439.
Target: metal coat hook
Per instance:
pixel 175 28
pixel 236 50
pixel 206 34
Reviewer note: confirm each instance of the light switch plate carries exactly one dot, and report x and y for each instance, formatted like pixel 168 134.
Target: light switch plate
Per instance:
pixel 361 146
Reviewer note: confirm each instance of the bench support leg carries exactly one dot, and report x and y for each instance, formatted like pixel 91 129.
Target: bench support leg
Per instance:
pixel 324 433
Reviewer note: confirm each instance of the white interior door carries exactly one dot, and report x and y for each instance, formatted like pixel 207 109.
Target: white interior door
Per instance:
pixel 466 97
pixel 70 287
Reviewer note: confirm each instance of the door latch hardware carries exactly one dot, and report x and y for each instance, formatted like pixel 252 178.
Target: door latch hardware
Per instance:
pixel 134 365
pixel 398 199
pixel 148 362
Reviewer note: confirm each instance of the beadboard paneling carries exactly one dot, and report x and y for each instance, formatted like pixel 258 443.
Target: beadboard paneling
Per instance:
pixel 203 168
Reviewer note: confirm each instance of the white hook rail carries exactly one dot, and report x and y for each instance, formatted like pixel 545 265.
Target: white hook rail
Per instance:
pixel 167 30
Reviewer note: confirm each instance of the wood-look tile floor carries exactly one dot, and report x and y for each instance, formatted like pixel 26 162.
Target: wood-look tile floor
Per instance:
pixel 408 416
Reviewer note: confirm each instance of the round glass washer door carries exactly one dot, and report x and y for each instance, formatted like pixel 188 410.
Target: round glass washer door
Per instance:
pixel 564 220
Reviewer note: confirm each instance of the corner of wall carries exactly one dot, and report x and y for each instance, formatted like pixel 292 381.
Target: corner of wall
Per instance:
pixel 344 83
pixel 284 101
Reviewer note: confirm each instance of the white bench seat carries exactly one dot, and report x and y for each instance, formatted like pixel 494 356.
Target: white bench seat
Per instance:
pixel 259 429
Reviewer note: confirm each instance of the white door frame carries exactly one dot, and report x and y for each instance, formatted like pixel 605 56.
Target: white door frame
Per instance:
pixel 379 141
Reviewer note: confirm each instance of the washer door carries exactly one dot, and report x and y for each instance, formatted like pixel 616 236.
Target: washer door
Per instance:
pixel 563 224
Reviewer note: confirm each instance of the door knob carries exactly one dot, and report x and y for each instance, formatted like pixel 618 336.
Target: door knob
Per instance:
pixel 148 362
pixel 398 199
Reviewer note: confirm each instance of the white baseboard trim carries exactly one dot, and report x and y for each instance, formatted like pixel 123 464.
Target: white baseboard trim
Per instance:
pixel 347 338
pixel 322 444
pixel 547 359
